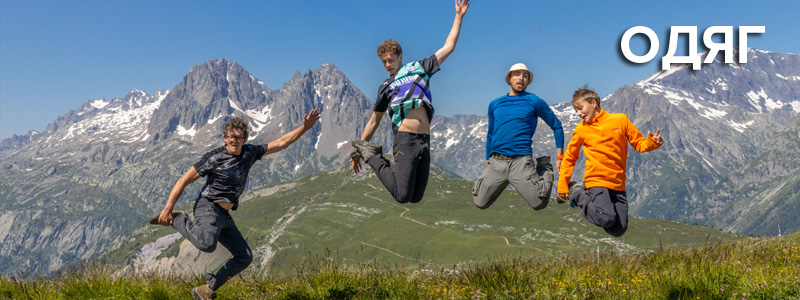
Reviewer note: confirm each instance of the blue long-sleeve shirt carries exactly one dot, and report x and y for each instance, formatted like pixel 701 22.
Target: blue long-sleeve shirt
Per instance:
pixel 512 123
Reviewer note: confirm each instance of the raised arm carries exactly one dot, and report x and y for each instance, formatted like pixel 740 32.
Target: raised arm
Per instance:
pixel 372 125
pixel 187 178
pixel 642 143
pixel 452 38
pixel 282 142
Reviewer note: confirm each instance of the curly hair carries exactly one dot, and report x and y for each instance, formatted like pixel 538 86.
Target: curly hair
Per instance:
pixel 586 94
pixel 389 46
pixel 236 123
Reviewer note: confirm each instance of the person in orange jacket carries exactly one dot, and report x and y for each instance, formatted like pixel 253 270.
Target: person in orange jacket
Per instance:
pixel 604 137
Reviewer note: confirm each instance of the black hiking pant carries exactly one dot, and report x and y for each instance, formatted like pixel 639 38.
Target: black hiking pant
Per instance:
pixel 605 208
pixel 407 179
pixel 214 224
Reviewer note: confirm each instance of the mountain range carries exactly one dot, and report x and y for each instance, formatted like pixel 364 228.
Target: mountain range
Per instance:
pixel 82 187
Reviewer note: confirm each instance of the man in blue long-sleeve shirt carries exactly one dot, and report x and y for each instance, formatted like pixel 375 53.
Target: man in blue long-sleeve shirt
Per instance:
pixel 512 123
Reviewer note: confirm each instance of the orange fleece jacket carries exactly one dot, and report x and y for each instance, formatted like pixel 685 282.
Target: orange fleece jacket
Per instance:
pixel 604 143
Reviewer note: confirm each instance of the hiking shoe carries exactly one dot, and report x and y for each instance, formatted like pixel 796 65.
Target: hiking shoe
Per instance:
pixel 543 164
pixel 574 189
pixel 355 154
pixel 154 218
pixel 367 149
pixel 203 292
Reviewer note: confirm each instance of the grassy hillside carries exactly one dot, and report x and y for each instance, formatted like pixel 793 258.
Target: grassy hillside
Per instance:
pixel 355 218
pixel 754 268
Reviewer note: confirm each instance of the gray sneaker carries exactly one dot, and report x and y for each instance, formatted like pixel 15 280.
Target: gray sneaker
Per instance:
pixel 367 149
pixel 203 292
pixel 154 218
pixel 574 189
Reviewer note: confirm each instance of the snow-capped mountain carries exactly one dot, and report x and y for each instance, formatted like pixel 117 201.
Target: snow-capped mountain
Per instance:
pixel 76 189
pixel 719 124
pixel 97 172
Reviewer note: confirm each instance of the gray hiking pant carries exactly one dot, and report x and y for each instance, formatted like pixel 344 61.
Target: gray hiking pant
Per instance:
pixel 214 224
pixel 407 179
pixel 534 183
pixel 605 208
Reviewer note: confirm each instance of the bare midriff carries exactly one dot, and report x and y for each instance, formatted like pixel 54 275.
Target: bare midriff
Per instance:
pixel 416 121
pixel 225 205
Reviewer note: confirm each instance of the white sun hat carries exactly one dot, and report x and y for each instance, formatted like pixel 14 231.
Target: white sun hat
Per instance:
pixel 519 66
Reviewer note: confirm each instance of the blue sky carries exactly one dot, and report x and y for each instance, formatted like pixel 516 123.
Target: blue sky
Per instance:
pixel 55 55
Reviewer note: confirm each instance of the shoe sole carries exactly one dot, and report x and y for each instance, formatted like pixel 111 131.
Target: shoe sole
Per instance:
pixel 358 144
pixel 154 219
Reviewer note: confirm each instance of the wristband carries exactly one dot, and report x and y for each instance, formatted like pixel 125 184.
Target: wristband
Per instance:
pixel 560 157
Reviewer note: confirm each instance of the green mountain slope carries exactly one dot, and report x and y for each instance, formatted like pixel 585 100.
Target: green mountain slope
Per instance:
pixel 354 217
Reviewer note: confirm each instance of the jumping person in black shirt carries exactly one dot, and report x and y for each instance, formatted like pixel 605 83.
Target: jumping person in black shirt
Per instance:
pixel 407 98
pixel 227 168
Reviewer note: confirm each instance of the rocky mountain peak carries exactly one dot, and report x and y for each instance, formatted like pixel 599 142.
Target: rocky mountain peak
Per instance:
pixel 209 92
pixel 761 85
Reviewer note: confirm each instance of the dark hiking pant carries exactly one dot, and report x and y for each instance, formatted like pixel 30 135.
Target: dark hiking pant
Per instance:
pixel 214 224
pixel 407 179
pixel 605 208
pixel 534 183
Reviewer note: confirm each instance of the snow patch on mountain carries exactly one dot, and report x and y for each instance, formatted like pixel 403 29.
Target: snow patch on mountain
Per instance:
pixel 115 123
pixel 740 127
pixel 99 103
pixel 769 103
pixel 234 106
pixel 794 78
pixel 663 73
pixel 261 119
pixel 722 85
pixel 795 106
pixel 212 120
pixel 183 131
pixel 479 130
pixel 676 97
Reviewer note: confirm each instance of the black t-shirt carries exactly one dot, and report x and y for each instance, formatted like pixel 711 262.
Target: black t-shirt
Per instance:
pixel 407 89
pixel 227 173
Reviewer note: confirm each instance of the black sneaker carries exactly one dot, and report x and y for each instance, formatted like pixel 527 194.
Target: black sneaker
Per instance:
pixel 367 149
pixel 543 164
pixel 574 189
pixel 154 218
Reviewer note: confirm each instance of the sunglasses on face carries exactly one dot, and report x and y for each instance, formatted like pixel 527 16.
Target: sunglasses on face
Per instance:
pixel 236 138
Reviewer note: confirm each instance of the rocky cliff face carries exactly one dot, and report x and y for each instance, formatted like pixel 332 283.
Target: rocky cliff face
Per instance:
pixel 16 141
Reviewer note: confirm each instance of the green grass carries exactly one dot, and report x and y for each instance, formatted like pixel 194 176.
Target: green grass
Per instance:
pixel 356 218
pixel 757 268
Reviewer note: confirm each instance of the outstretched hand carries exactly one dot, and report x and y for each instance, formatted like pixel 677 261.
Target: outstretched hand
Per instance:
pixel 461 7
pixel 356 163
pixel 310 119
pixel 656 136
